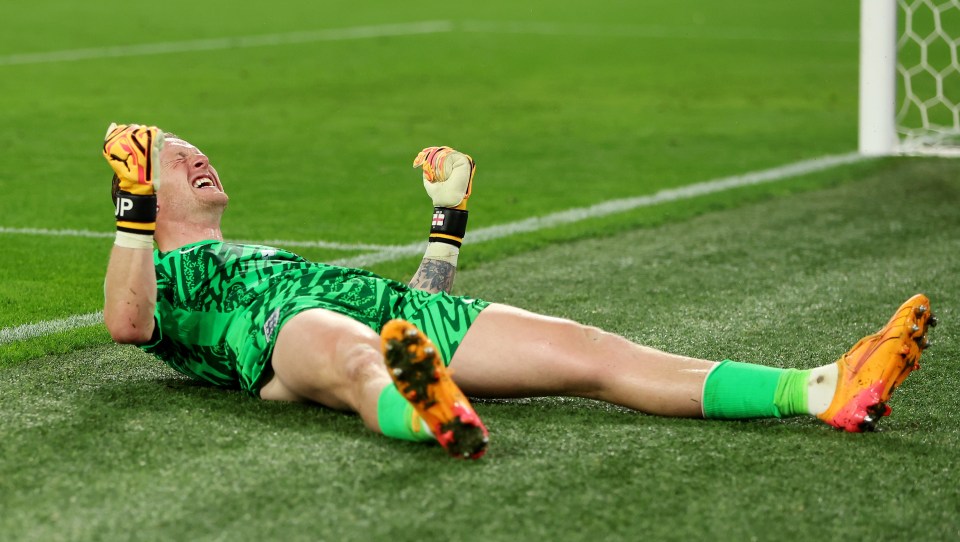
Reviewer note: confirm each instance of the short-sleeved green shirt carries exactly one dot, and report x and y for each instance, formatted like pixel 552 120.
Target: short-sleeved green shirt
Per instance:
pixel 220 307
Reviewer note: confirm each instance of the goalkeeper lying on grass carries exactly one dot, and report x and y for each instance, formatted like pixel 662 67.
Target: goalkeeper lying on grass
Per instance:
pixel 282 328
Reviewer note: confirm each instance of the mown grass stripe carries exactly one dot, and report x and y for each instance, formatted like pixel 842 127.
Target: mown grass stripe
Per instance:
pixel 239 42
pixel 409 29
pixel 649 31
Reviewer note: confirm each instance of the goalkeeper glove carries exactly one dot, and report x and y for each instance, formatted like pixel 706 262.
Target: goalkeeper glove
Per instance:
pixel 133 152
pixel 448 179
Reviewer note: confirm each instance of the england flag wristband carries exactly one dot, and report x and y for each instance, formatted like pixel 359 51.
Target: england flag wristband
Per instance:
pixel 448 226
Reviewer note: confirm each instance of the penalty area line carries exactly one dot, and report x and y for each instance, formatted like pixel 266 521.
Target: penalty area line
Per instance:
pixel 552 220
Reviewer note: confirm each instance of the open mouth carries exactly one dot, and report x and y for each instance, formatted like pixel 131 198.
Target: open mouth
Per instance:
pixel 205 182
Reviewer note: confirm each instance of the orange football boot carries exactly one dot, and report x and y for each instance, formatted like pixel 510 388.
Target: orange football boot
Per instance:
pixel 877 365
pixel 424 380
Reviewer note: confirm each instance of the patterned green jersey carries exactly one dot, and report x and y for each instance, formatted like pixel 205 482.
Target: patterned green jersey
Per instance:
pixel 220 307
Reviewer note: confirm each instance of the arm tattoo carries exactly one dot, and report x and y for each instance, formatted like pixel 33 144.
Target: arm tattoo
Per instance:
pixel 434 276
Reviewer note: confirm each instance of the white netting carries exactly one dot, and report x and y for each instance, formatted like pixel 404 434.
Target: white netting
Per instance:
pixel 928 118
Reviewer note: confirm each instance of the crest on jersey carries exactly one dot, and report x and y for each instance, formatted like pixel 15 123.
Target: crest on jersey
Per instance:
pixel 271 324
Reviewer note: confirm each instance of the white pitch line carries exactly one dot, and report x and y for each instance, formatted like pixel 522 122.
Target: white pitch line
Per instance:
pixel 333 245
pixel 57 233
pixel 239 42
pixel 29 331
pixel 552 220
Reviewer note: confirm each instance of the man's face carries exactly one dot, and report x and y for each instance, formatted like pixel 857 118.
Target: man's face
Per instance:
pixel 188 183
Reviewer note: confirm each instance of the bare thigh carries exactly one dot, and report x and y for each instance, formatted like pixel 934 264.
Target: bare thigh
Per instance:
pixel 328 358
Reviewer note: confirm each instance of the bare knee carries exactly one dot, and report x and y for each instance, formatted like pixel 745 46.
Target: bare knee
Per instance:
pixel 364 374
pixel 361 362
pixel 582 357
pixel 592 334
pixel 604 353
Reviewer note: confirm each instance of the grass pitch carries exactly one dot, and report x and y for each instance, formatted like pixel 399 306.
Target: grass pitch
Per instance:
pixel 563 105
pixel 106 443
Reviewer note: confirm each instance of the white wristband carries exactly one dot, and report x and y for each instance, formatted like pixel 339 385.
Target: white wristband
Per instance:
pixel 443 252
pixel 133 240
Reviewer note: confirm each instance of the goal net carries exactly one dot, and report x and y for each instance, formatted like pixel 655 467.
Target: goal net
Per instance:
pixel 928 76
pixel 909 77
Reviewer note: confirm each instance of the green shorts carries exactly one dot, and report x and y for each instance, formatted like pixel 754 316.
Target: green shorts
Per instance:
pixel 442 318
pixel 224 331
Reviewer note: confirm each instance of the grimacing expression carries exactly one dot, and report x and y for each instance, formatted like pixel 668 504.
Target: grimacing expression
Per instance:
pixel 186 176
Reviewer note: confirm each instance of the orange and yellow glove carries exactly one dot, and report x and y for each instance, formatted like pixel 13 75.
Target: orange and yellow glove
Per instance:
pixel 133 152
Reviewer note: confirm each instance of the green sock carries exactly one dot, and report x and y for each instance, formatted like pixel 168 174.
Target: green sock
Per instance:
pixel 736 390
pixel 398 419
pixel 791 396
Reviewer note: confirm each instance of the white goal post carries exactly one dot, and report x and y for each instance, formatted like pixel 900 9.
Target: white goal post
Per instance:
pixel 909 77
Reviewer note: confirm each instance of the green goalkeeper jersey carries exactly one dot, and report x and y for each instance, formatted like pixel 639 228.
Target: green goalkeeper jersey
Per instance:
pixel 220 307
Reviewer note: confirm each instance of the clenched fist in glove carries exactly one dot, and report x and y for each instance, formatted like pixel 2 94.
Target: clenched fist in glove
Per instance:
pixel 133 152
pixel 447 175
pixel 448 179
